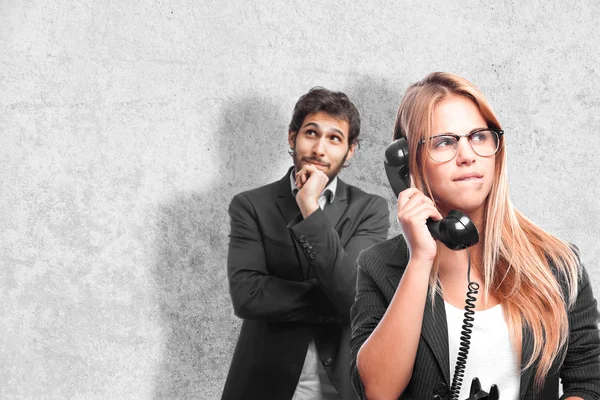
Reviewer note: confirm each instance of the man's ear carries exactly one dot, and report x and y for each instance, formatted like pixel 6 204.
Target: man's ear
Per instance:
pixel 351 151
pixel 292 139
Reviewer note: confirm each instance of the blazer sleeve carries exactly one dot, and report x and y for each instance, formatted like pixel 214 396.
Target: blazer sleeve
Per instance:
pixel 335 265
pixel 580 372
pixel 255 293
pixel 365 314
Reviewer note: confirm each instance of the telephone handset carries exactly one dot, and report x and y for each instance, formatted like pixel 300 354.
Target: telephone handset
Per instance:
pixel 456 230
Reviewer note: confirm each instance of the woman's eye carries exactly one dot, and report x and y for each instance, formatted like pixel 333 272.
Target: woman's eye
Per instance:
pixel 443 142
pixel 478 137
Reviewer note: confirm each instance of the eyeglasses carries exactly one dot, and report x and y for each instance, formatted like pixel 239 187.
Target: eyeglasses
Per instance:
pixel 484 142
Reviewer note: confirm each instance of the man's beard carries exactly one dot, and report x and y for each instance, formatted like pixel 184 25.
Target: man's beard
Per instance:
pixel 331 173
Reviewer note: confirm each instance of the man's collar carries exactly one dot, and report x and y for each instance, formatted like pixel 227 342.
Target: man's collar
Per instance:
pixel 331 186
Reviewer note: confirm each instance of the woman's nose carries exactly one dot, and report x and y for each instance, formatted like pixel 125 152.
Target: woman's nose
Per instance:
pixel 464 151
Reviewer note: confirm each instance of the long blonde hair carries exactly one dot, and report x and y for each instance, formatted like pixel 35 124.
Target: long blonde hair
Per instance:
pixel 518 256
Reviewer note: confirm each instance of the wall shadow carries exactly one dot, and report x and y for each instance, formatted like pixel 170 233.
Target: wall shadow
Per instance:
pixel 377 100
pixel 191 269
pixel 191 274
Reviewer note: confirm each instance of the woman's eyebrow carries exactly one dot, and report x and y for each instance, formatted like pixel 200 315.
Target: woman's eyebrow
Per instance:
pixel 452 133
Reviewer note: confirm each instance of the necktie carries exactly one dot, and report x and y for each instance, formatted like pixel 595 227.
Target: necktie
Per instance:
pixel 327 195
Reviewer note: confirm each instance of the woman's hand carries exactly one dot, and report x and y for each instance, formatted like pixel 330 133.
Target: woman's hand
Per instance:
pixel 414 208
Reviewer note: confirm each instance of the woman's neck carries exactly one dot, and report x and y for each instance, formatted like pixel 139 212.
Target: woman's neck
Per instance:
pixel 456 262
pixel 454 278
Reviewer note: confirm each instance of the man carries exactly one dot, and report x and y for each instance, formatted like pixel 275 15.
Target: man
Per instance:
pixel 292 261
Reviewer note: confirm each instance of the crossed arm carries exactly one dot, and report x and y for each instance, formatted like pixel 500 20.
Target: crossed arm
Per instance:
pixel 257 294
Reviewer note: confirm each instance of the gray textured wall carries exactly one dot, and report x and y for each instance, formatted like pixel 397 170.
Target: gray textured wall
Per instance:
pixel 126 128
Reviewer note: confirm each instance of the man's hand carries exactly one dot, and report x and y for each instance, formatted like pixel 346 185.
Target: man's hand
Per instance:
pixel 311 181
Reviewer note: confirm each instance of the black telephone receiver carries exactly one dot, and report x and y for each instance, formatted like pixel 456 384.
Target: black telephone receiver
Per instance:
pixel 456 231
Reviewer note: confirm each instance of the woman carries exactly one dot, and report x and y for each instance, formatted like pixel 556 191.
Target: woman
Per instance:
pixel 535 318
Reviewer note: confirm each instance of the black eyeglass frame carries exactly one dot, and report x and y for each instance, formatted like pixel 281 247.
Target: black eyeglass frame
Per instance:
pixel 498 132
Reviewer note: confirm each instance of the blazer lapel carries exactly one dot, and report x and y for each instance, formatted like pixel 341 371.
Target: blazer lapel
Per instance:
pixel 335 210
pixel 285 199
pixel 434 329
pixel 286 202
pixel 289 208
pixel 435 332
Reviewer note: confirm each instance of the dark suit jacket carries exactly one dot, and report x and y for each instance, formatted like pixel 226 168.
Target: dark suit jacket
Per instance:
pixel 380 270
pixel 293 280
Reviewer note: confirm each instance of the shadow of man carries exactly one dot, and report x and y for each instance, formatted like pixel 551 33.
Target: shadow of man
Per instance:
pixel 377 100
pixel 191 269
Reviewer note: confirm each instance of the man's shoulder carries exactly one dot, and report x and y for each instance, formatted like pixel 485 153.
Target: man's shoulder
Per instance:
pixel 261 192
pixel 357 194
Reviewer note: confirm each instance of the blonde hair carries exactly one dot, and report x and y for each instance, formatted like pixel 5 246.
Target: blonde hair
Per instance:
pixel 518 256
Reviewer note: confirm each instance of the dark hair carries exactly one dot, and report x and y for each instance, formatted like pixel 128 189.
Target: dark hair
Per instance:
pixel 336 104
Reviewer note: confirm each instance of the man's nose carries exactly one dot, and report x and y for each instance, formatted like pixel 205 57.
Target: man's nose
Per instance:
pixel 319 148
pixel 464 152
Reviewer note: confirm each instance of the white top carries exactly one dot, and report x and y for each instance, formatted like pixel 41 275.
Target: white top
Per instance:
pixel 491 357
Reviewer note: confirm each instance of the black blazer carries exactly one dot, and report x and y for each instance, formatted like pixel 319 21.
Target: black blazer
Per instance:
pixel 380 270
pixel 293 280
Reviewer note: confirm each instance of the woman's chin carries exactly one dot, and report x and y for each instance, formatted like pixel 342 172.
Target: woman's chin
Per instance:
pixel 471 208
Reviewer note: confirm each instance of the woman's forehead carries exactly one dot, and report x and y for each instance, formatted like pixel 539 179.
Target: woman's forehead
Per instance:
pixel 456 114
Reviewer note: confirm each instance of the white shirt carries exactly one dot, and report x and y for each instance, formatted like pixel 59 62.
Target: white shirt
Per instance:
pixel 491 357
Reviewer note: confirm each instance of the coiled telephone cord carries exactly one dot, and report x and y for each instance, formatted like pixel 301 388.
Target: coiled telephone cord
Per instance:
pixel 465 334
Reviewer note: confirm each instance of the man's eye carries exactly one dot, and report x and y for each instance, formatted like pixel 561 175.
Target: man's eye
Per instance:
pixel 311 132
pixel 336 139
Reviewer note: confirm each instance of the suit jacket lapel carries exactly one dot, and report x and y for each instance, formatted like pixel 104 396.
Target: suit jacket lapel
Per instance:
pixel 435 332
pixel 335 210
pixel 291 212
pixel 434 329
pixel 289 208
pixel 285 199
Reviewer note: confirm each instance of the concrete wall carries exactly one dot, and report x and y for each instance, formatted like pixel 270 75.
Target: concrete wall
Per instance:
pixel 127 126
